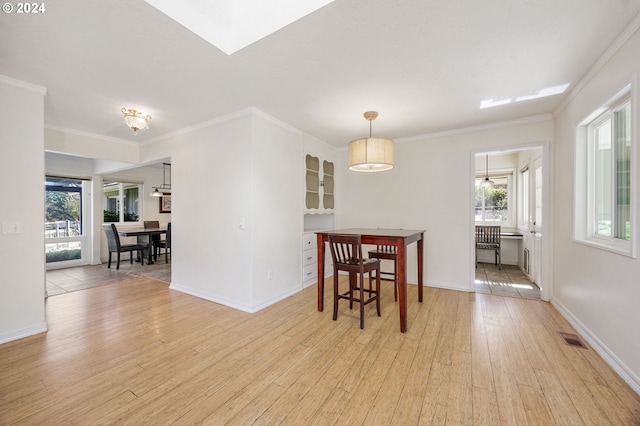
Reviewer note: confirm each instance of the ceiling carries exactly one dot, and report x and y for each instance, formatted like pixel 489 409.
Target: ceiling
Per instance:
pixel 424 65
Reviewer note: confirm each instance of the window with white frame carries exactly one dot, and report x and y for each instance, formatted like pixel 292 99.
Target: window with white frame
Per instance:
pixel 604 204
pixel 493 204
pixel 121 201
pixel 524 198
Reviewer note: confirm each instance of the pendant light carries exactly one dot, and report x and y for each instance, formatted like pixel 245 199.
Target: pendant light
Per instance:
pixel 156 192
pixel 371 154
pixel 487 183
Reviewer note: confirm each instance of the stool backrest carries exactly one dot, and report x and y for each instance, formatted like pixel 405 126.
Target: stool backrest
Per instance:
pixel 488 234
pixel 346 249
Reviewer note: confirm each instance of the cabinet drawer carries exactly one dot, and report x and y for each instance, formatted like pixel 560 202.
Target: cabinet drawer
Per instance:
pixel 309 241
pixel 309 257
pixel 310 273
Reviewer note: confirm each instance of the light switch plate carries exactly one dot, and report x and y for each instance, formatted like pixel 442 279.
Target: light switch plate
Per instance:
pixel 11 227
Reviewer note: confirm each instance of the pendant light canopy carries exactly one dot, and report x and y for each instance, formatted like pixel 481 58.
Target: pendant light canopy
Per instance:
pixel 487 183
pixel 371 154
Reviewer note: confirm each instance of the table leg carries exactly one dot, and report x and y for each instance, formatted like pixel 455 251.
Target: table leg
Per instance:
pixel 402 283
pixel 150 249
pixel 420 243
pixel 320 252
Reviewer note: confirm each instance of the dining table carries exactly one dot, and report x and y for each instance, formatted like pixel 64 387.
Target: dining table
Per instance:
pixel 399 238
pixel 144 236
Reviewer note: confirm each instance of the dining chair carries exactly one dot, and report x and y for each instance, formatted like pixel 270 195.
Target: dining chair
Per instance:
pixel 346 251
pixel 113 242
pixel 488 238
pixel 387 253
pixel 166 244
pixel 153 239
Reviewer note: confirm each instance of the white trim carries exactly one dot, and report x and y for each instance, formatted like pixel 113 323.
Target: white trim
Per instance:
pixel 583 185
pixel 23 332
pixel 232 303
pixel 607 354
pixel 87 135
pixel 472 129
pixel 40 90
pixel 245 112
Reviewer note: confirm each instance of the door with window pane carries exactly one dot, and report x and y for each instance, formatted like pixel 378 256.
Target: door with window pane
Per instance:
pixel 64 224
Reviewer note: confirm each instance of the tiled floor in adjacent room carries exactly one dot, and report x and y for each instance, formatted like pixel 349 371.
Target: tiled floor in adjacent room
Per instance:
pixel 60 281
pixel 510 282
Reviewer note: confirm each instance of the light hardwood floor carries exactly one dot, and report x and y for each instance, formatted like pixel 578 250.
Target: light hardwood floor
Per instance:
pixel 135 352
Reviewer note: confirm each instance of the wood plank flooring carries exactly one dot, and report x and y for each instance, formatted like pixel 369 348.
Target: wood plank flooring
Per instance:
pixel 135 352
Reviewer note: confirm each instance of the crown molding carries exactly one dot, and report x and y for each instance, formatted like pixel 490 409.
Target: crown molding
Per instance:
pixel 90 135
pixel 40 90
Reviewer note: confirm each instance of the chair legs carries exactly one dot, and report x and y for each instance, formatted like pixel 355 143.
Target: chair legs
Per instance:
pixel 139 252
pixel 373 293
pixel 395 273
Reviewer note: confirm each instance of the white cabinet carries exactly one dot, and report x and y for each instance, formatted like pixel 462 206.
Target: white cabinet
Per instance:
pixel 319 184
pixel 310 260
pixel 319 205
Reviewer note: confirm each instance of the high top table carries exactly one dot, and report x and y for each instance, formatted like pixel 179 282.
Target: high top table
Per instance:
pixel 400 238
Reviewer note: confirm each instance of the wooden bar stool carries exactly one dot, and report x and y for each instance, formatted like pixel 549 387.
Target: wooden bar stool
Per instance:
pixel 388 253
pixel 346 251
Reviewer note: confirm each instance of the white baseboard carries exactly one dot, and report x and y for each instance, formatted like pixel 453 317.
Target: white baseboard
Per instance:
pixel 610 358
pixel 23 332
pixel 233 303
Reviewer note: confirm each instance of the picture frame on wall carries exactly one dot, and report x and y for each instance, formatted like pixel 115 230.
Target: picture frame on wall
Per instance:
pixel 165 202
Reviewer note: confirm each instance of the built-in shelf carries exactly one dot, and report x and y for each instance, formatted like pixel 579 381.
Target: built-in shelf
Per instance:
pixel 318 222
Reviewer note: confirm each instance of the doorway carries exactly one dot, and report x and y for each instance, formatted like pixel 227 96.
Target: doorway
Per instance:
pixel 66 222
pixel 510 190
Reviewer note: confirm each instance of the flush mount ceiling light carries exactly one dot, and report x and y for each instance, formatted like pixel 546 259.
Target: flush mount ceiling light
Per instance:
pixel 371 154
pixel 487 183
pixel 166 167
pixel 136 119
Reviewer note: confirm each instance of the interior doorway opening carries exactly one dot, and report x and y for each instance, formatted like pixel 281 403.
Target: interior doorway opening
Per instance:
pixel 508 192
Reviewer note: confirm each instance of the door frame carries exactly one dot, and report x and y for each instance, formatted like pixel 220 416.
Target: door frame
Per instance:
pixel 546 264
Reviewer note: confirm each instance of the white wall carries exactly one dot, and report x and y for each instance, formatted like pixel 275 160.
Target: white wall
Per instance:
pixel 599 290
pixel 243 169
pixel 430 188
pixel 22 270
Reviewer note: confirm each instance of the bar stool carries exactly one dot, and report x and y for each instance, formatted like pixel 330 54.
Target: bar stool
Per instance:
pixel 346 251
pixel 388 253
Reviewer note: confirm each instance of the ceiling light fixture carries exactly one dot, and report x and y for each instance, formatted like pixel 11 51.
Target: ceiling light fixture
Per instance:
pixel 136 119
pixel 487 183
pixel 371 154
pixel 165 186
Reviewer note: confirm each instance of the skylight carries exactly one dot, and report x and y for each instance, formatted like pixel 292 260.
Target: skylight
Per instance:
pixel 542 93
pixel 231 25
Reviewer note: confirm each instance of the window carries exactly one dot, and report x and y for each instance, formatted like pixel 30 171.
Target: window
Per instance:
pixel 524 191
pixel 121 201
pixel 603 177
pixel 492 205
pixel 64 219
